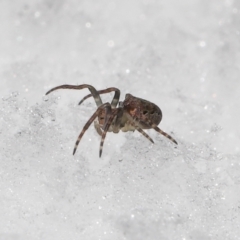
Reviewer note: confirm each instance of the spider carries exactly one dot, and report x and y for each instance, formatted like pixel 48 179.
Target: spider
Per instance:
pixel 132 114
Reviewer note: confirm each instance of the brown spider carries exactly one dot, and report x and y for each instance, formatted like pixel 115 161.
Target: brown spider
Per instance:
pixel 131 114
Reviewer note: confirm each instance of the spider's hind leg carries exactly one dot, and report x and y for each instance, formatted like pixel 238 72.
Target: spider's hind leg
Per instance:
pixel 134 123
pixel 156 128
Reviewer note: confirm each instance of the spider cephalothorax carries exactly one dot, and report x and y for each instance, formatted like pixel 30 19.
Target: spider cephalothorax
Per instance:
pixel 131 114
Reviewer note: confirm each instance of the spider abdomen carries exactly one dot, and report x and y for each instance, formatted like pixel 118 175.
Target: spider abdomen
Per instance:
pixel 142 110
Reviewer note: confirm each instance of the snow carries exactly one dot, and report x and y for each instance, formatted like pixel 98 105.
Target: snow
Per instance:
pixel 181 55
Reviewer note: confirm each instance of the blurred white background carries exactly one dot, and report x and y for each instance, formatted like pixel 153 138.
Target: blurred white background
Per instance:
pixel 182 55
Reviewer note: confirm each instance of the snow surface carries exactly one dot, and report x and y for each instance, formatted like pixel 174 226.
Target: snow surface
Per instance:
pixel 182 55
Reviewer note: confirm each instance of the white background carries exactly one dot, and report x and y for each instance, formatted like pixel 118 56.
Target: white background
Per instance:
pixel 182 55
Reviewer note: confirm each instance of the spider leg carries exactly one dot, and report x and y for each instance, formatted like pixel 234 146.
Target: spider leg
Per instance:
pixel 115 98
pixel 164 134
pixel 133 122
pixel 156 128
pixel 93 91
pixel 143 133
pixel 86 97
pixel 97 128
pixel 106 126
pixel 89 122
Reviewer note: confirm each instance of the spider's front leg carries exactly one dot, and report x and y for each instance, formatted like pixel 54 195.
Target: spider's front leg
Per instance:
pixel 115 99
pixel 89 122
pixel 111 115
pixel 93 91
pixel 101 119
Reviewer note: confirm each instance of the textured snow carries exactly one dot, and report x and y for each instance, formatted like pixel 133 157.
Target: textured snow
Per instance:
pixel 182 55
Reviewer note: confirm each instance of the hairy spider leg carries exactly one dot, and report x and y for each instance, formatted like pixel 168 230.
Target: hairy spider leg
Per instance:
pixel 89 122
pixel 103 91
pixel 93 91
pixel 106 127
